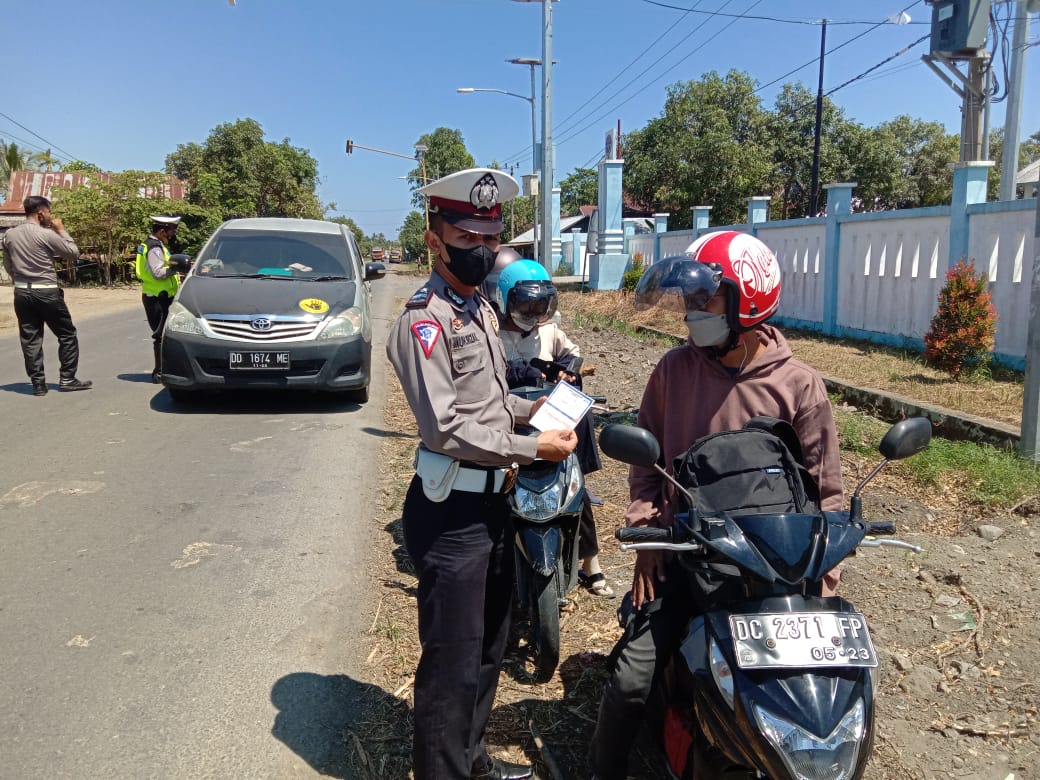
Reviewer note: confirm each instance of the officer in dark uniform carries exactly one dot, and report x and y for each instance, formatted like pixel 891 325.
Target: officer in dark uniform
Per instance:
pixel 450 361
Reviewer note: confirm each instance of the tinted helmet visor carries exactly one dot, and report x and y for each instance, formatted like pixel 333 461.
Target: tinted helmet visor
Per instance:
pixel 678 283
pixel 531 303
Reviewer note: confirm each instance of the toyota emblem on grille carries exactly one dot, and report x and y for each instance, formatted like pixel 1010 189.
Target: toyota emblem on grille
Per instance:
pixel 260 323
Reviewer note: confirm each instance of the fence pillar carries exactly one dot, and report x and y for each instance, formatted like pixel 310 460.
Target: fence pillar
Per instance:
pixel 1029 442
pixel 839 204
pixel 607 266
pixel 969 186
pixel 660 226
pixel 557 242
pixel 701 215
pixel 757 211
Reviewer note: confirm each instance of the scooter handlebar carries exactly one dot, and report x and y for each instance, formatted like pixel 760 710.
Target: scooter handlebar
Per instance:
pixel 881 527
pixel 643 534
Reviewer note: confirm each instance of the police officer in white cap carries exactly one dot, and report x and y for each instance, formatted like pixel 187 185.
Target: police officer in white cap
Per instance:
pixel 159 281
pixel 446 352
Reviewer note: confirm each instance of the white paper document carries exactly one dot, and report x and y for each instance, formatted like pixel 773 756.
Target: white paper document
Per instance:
pixel 563 409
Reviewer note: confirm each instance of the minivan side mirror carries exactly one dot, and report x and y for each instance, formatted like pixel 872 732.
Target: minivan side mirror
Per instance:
pixel 374 271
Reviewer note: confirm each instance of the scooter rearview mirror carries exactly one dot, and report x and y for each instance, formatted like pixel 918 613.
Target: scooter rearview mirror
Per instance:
pixel 630 444
pixel 905 438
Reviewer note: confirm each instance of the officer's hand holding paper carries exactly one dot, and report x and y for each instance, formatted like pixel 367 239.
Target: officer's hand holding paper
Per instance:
pixel 562 410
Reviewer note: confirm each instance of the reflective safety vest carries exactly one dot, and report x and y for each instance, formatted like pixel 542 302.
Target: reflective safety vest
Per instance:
pixel 149 284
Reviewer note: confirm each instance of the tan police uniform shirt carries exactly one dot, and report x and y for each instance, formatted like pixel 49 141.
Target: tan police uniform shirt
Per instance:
pixel 450 361
pixel 29 252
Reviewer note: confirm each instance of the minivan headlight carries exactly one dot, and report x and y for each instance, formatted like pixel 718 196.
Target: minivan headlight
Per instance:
pixel 180 320
pixel 344 325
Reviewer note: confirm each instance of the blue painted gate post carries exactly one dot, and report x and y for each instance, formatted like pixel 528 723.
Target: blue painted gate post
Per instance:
pixel 701 215
pixel 607 266
pixel 660 226
pixel 557 241
pixel 969 186
pixel 839 204
pixel 757 211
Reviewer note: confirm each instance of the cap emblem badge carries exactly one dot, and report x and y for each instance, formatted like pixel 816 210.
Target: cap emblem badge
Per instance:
pixel 484 194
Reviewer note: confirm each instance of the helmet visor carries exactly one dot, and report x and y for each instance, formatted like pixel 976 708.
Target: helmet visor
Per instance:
pixel 678 283
pixel 531 303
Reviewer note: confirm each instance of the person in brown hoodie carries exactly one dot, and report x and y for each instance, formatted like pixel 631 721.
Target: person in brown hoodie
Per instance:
pixel 733 367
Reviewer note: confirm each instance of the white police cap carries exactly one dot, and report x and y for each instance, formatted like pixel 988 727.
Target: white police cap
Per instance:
pixel 166 220
pixel 472 199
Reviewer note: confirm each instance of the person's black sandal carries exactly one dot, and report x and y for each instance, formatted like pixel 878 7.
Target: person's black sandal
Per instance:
pixel 596 584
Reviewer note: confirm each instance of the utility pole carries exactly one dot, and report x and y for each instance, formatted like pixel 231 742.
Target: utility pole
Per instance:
pixel 814 196
pixel 1013 117
pixel 1029 443
pixel 548 158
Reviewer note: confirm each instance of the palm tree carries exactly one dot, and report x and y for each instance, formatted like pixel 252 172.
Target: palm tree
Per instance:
pixel 14 158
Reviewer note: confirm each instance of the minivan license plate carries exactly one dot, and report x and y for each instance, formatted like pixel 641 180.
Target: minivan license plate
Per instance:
pixel 263 361
pixel 801 640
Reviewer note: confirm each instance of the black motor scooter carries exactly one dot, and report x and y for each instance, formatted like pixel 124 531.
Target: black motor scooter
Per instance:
pixel 779 681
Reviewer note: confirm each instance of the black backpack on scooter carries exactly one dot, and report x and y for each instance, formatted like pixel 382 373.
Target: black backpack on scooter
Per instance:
pixel 757 469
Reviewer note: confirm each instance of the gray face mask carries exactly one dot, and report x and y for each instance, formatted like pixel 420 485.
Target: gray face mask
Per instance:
pixel 707 329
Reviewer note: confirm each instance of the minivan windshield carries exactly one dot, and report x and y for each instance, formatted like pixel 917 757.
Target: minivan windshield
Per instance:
pixel 263 253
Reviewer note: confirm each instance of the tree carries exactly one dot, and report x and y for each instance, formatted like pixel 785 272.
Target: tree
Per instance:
pixel 14 158
pixel 710 146
pixel 579 189
pixel 411 235
pixel 792 131
pixel 352 226
pixel 80 166
pixel 110 218
pixel 245 176
pixel 445 153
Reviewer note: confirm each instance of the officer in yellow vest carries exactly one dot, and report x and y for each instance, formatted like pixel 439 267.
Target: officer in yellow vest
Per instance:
pixel 158 281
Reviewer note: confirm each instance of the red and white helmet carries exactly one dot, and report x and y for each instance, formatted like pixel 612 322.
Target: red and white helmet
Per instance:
pixel 750 274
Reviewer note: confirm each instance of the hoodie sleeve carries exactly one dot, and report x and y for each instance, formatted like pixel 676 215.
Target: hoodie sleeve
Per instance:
pixel 645 488
pixel 819 438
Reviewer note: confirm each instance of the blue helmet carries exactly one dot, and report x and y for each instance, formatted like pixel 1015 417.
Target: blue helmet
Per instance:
pixel 526 294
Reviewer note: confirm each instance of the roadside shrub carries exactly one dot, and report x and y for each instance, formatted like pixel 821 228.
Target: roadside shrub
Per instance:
pixel 564 269
pixel 963 330
pixel 632 276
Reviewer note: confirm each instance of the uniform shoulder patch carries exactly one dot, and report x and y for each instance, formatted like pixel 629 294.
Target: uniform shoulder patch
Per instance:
pixel 420 298
pixel 427 332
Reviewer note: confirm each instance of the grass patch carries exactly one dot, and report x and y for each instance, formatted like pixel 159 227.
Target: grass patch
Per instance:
pixel 625 328
pixel 984 475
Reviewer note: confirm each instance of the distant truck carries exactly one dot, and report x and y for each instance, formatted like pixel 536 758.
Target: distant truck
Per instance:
pixel 378 255
pixel 395 255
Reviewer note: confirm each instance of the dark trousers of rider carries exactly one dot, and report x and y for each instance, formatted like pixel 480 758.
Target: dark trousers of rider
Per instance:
pixel 462 552
pixel 156 309
pixel 33 308
pixel 650 635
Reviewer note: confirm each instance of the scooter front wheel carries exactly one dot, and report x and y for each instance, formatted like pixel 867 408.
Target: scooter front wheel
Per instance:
pixel 545 623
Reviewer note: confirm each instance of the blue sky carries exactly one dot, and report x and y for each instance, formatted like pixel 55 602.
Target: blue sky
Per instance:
pixel 121 83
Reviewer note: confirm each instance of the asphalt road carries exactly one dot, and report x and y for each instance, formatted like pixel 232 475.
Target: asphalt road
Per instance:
pixel 183 593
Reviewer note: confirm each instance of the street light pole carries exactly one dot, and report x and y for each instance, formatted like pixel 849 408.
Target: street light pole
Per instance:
pixel 547 145
pixel 534 147
pixel 534 138
pixel 420 150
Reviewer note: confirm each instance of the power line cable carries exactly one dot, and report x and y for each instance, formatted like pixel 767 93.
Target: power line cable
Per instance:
pixel 31 132
pixel 578 131
pixel 783 20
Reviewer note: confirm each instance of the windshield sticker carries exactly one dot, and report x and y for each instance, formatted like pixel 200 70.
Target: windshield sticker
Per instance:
pixel 314 305
pixel 426 331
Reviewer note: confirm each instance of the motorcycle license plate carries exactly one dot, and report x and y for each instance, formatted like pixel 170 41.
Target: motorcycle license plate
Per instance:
pixel 262 361
pixel 801 639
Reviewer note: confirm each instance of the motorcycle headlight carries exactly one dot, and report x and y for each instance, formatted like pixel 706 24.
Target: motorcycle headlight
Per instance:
pixel 538 506
pixel 344 325
pixel 574 477
pixel 809 757
pixel 721 672
pixel 180 320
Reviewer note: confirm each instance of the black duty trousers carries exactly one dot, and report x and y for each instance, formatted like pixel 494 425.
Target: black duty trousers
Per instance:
pixel 156 309
pixel 462 552
pixel 33 308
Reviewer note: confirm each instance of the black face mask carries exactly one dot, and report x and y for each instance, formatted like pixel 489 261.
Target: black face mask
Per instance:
pixel 471 266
